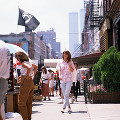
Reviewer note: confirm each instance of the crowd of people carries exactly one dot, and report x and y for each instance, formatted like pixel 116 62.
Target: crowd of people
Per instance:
pixel 66 79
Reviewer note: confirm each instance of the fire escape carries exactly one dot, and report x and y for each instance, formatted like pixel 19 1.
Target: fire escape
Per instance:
pixel 94 15
pixel 94 21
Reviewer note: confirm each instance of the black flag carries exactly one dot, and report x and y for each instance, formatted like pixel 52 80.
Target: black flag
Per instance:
pixel 27 20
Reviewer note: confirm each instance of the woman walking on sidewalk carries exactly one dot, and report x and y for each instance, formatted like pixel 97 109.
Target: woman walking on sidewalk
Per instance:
pixel 76 83
pixel 66 68
pixel 27 86
pixel 45 83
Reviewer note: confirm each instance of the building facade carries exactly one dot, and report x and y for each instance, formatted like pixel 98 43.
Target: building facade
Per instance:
pixel 49 37
pixel 91 32
pixel 110 25
pixel 30 42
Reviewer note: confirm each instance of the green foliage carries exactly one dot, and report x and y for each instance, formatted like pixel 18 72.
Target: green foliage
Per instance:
pixel 117 73
pixel 109 70
pixel 97 73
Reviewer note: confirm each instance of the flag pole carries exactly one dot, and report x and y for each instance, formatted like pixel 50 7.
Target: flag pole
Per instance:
pixel 17 24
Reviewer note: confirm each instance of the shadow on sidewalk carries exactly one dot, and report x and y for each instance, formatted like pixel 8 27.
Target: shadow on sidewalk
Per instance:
pixel 34 112
pixel 78 102
pixel 48 101
pixel 79 112
pixel 36 104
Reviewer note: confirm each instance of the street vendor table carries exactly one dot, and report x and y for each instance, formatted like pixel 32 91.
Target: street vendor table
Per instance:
pixel 12 101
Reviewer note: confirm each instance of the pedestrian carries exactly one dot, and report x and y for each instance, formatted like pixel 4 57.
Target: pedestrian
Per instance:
pixel 28 71
pixel 66 68
pixel 78 78
pixel 72 88
pixel 45 77
pixel 56 82
pixel 4 75
pixel 76 83
pixel 59 84
pixel 51 83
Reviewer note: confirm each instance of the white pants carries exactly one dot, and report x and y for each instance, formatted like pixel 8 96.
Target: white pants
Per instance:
pixel 66 87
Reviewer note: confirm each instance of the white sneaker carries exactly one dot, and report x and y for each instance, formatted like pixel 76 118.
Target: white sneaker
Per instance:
pixel 69 110
pixel 63 110
pixel 60 103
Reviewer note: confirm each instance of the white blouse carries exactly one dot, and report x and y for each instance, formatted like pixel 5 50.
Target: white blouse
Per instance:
pixel 24 70
pixel 50 75
pixel 45 76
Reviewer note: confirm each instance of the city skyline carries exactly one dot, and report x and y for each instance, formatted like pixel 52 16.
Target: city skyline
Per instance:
pixel 51 14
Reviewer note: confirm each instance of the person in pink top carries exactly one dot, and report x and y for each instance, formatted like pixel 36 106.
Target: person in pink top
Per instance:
pixel 66 67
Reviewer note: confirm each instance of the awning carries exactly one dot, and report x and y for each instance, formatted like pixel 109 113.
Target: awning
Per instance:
pixel 83 69
pixel 51 62
pixel 13 49
pixel 88 59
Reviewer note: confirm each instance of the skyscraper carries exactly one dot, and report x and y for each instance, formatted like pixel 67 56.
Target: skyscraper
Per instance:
pixel 82 19
pixel 73 32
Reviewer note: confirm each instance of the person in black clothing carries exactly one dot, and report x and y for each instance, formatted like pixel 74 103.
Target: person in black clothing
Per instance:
pixel 76 85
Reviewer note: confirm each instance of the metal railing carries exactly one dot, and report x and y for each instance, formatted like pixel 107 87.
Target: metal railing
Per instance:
pixel 99 93
pixel 88 84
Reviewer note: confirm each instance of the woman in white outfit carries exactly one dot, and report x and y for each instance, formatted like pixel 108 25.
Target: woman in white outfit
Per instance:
pixel 51 83
pixel 45 83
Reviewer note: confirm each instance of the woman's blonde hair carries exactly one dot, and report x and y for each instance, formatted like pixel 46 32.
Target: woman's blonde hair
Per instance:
pixel 69 55
pixel 21 56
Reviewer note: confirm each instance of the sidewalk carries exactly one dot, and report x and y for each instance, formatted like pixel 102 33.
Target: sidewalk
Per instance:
pixel 104 111
pixel 50 110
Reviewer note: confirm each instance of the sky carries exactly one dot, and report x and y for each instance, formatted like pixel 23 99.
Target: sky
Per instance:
pixel 50 13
